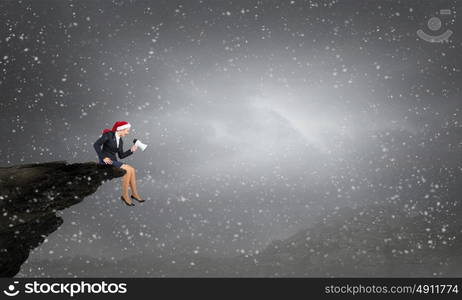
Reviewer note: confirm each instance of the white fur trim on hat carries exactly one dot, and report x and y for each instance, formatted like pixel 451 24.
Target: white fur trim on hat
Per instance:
pixel 125 126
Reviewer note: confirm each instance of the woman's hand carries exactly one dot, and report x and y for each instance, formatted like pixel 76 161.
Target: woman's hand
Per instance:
pixel 107 160
pixel 133 148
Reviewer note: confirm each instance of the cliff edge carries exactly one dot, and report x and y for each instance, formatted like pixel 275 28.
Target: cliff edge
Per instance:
pixel 30 195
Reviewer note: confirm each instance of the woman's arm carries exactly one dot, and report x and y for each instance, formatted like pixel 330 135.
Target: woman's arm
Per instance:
pixel 123 154
pixel 99 143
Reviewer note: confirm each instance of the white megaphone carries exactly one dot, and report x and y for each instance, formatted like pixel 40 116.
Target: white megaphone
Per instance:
pixel 139 144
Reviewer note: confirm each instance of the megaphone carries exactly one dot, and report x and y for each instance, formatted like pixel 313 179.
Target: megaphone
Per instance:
pixel 139 144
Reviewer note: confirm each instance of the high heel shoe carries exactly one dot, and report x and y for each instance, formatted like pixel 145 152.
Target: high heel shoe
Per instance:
pixel 137 199
pixel 126 203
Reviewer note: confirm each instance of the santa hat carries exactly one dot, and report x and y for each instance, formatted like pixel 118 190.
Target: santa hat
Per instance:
pixel 119 125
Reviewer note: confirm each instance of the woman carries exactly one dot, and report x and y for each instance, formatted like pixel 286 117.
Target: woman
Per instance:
pixel 112 143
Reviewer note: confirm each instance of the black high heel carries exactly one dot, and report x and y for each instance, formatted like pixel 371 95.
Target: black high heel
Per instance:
pixel 137 199
pixel 128 204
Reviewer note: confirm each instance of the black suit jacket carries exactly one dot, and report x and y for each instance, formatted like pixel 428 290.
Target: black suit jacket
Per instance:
pixel 109 143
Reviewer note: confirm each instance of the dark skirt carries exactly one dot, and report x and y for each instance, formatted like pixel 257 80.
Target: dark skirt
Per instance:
pixel 115 163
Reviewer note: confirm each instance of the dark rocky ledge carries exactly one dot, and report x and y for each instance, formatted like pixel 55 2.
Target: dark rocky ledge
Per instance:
pixel 31 194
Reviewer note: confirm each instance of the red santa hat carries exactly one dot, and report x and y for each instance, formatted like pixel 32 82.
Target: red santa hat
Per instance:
pixel 120 125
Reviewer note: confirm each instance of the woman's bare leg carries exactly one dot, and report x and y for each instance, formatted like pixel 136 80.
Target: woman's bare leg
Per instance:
pixel 133 184
pixel 125 183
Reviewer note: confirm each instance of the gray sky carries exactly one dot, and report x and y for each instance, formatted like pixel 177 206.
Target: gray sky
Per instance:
pixel 259 115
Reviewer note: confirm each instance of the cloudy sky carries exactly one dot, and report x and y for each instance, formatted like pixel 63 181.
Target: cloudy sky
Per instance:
pixel 259 115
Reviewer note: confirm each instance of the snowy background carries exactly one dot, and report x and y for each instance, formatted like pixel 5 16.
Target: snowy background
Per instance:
pixel 260 116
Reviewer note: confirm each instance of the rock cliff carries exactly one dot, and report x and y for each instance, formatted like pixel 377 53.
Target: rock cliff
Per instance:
pixel 30 196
